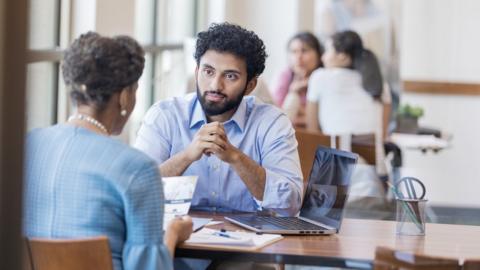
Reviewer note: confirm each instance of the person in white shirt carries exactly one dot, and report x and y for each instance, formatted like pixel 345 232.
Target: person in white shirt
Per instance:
pixel 343 96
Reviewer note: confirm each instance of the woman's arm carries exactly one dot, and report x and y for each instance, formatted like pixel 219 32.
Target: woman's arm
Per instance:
pixel 313 123
pixel 177 232
pixel 386 109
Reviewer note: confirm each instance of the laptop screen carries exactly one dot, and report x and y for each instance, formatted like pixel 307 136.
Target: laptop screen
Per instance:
pixel 328 185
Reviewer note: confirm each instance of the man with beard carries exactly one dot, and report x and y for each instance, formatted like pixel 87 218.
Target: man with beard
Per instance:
pixel 244 151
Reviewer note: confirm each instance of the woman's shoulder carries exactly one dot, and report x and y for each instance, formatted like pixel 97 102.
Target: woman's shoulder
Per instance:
pixel 123 162
pixel 335 74
pixel 99 148
pixel 321 73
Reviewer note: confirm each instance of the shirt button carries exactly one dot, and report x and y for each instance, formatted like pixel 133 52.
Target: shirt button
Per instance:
pixel 214 194
pixel 215 167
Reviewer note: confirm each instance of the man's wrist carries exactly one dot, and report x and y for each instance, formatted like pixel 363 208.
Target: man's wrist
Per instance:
pixel 184 155
pixel 236 157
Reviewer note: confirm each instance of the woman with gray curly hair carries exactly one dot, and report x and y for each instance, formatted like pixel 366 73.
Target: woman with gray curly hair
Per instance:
pixel 82 183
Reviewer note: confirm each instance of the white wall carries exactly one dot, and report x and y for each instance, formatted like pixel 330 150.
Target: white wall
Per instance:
pixel 83 17
pixel 439 43
pixel 452 175
pixel 440 40
pixel 115 17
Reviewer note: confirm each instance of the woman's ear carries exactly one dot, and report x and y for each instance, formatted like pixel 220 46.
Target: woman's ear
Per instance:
pixel 251 85
pixel 124 98
pixel 344 59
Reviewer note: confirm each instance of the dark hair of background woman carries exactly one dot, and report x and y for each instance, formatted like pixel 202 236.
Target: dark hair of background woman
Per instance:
pixel 363 60
pixel 96 67
pixel 311 41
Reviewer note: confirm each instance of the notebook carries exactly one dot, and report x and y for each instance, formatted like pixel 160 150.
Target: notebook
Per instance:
pixel 222 240
pixel 324 200
pixel 178 192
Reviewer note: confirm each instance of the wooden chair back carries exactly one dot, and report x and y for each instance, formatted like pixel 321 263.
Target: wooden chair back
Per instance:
pixel 471 265
pixel 72 254
pixel 307 145
pixel 364 146
pixel 389 259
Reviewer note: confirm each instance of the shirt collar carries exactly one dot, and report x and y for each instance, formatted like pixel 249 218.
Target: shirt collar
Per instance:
pixel 239 117
pixel 197 115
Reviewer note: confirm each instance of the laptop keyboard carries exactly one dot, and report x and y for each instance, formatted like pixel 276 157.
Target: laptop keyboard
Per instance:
pixel 290 223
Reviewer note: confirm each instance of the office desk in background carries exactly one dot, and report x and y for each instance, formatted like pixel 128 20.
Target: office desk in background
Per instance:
pixel 420 142
pixel 354 247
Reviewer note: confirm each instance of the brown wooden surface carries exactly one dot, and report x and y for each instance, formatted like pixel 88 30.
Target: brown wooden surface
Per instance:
pixel 430 87
pixel 364 146
pixel 357 241
pixel 390 259
pixel 47 254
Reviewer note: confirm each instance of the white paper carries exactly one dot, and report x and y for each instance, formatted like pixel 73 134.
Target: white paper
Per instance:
pixel 208 236
pixel 178 193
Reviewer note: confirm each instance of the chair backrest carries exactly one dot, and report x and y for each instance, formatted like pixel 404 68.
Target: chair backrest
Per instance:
pixel 386 258
pixel 307 145
pixel 364 145
pixel 471 265
pixel 72 254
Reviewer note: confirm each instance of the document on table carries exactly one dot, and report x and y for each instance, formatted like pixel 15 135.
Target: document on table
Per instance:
pixel 231 240
pixel 178 193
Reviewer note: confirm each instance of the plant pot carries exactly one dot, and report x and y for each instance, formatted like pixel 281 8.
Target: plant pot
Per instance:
pixel 407 124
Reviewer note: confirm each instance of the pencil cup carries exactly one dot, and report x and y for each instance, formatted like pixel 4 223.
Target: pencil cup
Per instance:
pixel 411 216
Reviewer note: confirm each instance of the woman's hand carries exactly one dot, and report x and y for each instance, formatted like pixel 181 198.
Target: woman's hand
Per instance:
pixel 299 83
pixel 178 230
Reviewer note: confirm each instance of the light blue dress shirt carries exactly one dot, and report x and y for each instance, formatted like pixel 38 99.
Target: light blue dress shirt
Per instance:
pixel 80 184
pixel 259 130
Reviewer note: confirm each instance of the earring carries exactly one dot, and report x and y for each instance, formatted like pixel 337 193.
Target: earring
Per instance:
pixel 123 112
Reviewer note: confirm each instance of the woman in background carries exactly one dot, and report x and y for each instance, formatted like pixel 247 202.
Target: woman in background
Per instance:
pixel 346 99
pixel 304 56
pixel 345 96
pixel 82 183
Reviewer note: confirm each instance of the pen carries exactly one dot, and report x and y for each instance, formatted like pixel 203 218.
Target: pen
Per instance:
pixel 222 234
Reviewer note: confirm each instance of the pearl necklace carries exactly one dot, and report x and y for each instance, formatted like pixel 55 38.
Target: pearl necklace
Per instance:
pixel 90 120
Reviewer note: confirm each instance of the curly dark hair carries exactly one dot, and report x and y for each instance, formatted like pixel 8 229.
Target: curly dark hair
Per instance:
pixel 234 39
pixel 96 67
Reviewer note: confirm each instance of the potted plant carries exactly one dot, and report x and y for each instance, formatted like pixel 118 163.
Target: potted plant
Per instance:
pixel 407 118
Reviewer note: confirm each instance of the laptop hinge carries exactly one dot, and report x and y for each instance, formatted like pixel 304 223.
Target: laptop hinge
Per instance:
pixel 317 223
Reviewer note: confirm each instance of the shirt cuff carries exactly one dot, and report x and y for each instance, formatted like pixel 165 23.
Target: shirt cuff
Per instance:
pixel 281 195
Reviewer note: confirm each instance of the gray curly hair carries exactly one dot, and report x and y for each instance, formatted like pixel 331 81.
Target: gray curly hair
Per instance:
pixel 95 67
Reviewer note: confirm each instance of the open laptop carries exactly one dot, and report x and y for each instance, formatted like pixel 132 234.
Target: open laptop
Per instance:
pixel 324 200
pixel 178 192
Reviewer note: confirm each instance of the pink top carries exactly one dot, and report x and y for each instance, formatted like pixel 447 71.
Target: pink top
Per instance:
pixel 281 90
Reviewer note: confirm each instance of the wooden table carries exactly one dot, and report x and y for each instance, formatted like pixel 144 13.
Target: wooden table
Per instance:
pixel 353 247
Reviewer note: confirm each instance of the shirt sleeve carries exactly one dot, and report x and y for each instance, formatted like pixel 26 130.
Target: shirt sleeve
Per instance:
pixel 144 247
pixel 284 181
pixel 152 137
pixel 314 87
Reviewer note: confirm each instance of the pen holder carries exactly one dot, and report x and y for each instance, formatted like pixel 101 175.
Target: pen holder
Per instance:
pixel 411 216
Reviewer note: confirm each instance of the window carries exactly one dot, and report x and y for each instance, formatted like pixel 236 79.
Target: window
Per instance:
pixel 163 27
pixel 45 95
